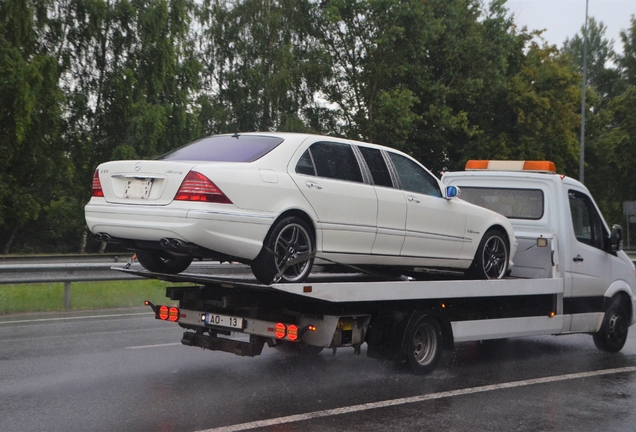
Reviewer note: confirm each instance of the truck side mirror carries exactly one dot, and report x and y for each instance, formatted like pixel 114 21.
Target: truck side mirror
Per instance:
pixel 452 192
pixel 616 238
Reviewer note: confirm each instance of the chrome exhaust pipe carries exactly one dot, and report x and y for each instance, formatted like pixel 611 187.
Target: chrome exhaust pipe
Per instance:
pixel 102 237
pixel 170 243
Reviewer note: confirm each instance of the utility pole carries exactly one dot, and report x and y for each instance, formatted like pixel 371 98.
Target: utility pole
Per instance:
pixel 583 90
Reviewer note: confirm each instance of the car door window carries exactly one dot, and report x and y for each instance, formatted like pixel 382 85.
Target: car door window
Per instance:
pixel 413 177
pixel 587 223
pixel 379 171
pixel 330 160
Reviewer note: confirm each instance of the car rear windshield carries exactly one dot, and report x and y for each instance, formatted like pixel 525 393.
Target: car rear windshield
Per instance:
pixel 512 203
pixel 225 148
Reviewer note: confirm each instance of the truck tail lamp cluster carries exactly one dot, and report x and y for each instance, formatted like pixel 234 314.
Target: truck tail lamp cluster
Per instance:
pixel 165 313
pixel 197 187
pixel 290 331
pixel 504 165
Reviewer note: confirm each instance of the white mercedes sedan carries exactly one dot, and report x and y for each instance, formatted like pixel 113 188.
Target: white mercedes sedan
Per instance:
pixel 281 202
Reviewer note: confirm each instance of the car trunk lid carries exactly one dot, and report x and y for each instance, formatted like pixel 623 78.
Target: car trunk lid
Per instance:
pixel 142 182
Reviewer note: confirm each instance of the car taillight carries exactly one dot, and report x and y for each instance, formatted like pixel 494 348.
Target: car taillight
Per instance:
pixel 197 187
pixel 97 185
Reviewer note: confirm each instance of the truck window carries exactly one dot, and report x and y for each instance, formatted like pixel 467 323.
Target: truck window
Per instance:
pixel 587 223
pixel 512 203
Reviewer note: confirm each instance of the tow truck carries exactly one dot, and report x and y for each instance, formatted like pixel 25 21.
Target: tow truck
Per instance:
pixel 570 276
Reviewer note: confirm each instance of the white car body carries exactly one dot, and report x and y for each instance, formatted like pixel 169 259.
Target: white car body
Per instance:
pixel 353 222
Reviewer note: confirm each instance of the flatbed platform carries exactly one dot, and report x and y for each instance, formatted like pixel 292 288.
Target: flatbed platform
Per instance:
pixel 351 288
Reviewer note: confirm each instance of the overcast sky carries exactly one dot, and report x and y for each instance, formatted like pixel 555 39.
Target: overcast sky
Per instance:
pixel 562 19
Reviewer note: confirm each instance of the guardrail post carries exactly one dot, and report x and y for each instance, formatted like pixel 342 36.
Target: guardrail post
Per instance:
pixel 67 295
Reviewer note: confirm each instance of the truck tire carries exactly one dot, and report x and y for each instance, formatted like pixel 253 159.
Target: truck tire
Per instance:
pixel 491 258
pixel 423 344
pixel 163 262
pixel 290 238
pixel 613 333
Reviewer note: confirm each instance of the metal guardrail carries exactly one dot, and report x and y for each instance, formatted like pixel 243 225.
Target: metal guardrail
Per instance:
pixel 25 270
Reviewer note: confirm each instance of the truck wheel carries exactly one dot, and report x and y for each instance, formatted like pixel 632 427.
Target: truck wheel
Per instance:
pixel 423 345
pixel 491 259
pixel 613 333
pixel 290 238
pixel 163 262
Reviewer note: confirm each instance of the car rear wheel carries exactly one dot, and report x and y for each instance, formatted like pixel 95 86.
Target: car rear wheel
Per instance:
pixel 163 262
pixel 287 254
pixel 491 259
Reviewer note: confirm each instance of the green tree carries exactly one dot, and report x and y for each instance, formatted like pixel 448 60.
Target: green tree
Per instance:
pixel 604 78
pixel 262 66
pixel 30 118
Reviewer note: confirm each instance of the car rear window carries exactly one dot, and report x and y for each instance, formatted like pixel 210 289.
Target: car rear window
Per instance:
pixel 512 203
pixel 225 148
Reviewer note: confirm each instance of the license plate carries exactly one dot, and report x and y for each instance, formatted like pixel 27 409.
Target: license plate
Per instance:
pixel 137 188
pixel 224 321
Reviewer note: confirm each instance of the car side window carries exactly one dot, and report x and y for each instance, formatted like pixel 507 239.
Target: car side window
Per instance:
pixel 413 177
pixel 587 223
pixel 377 166
pixel 330 160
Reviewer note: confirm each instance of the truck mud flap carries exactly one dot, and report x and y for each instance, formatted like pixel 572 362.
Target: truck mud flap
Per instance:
pixel 247 349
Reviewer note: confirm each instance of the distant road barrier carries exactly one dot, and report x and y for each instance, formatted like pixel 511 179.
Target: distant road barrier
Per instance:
pixel 25 270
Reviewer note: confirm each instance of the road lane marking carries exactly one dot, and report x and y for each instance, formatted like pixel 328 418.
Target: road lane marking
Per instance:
pixel 74 318
pixel 415 399
pixel 154 346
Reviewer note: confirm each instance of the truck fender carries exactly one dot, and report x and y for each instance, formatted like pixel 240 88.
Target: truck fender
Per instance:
pixel 621 288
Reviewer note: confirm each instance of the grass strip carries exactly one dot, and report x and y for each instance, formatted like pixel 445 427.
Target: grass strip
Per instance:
pixel 47 297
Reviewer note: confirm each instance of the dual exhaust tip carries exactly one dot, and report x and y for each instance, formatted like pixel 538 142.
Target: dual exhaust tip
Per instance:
pixel 103 237
pixel 169 243
pixel 166 243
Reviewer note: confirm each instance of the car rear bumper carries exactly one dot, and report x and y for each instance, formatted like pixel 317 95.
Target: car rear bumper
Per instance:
pixel 228 231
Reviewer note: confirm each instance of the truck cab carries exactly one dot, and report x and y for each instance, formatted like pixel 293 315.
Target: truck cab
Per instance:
pixel 561 233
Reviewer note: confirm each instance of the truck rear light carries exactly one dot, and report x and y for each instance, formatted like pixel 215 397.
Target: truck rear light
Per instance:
pixel 168 313
pixel 97 185
pixel 292 332
pixel 280 330
pixel 197 187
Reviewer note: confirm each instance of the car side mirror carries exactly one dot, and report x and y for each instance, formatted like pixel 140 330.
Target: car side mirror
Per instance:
pixel 616 238
pixel 452 192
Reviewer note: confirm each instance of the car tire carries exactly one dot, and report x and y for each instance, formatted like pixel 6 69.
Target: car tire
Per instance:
pixel 491 258
pixel 613 333
pixel 423 344
pixel 290 238
pixel 163 262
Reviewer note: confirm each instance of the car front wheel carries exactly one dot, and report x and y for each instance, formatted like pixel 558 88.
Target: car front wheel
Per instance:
pixel 491 259
pixel 287 254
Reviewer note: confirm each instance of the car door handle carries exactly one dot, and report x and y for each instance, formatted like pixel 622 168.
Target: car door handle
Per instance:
pixel 413 199
pixel 313 185
pixel 577 258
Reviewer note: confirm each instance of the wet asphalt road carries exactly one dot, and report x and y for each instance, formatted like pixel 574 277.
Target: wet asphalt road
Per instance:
pixel 124 371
